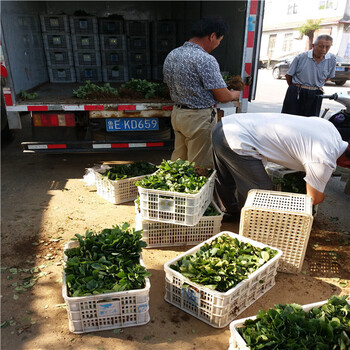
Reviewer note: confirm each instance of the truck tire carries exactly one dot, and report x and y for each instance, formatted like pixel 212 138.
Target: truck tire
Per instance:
pixel 6 133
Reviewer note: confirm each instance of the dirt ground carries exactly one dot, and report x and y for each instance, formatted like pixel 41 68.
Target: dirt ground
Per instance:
pixel 45 203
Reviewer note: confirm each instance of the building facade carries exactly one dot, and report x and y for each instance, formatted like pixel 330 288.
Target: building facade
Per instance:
pixel 281 37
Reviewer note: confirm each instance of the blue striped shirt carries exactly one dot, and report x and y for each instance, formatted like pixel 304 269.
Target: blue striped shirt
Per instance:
pixel 306 71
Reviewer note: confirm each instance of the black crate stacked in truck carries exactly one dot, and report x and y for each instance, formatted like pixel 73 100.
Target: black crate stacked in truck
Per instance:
pixel 164 40
pixel 86 47
pixel 113 50
pixel 139 49
pixel 58 48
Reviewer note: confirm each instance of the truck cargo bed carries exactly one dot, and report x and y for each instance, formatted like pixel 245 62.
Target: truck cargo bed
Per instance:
pixel 62 93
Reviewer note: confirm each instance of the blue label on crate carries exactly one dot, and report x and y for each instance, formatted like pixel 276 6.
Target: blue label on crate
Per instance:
pixel 190 295
pixel 108 308
pixel 142 308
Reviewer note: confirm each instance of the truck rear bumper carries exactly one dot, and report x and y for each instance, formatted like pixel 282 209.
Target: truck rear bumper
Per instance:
pixel 95 147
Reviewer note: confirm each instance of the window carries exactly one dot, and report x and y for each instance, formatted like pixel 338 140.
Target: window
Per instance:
pixel 288 42
pixel 292 8
pixel 271 46
pixel 327 4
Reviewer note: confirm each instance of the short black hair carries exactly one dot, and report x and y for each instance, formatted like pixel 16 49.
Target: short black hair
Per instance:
pixel 208 25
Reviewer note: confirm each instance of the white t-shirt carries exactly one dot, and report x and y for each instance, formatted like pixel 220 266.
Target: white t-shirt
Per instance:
pixel 308 144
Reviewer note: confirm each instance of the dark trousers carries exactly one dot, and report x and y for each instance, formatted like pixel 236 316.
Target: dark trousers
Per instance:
pixel 299 101
pixel 236 174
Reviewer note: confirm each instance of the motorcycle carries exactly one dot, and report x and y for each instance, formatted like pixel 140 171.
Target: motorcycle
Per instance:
pixel 340 119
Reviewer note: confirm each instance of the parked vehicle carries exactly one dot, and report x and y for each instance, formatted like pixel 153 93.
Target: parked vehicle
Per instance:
pixel 280 69
pixel 53 47
pixel 342 70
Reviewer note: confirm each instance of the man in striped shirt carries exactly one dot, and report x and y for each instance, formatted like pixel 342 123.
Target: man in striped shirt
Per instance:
pixel 306 76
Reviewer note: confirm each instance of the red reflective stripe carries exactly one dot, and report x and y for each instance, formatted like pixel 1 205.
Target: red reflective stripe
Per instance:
pixel 126 108
pixel 119 145
pixel 245 92
pixel 250 39
pixel 3 72
pixel 37 108
pixel 166 108
pixel 248 67
pixel 8 99
pixel 253 7
pixel 154 144
pixel 94 108
pixel 56 146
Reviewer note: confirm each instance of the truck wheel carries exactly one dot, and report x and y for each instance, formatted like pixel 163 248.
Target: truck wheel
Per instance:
pixel 340 82
pixel 276 73
pixel 6 133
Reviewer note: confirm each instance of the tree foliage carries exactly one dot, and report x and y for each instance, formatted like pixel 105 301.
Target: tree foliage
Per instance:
pixel 309 29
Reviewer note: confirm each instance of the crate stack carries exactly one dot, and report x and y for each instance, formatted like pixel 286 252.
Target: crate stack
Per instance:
pixel 58 48
pixel 164 40
pixel 113 50
pixel 176 219
pixel 86 48
pixel 138 49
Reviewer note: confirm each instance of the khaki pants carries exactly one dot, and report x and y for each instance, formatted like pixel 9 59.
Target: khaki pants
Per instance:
pixel 192 128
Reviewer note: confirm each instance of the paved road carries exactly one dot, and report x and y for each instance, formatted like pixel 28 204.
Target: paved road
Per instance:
pixel 270 94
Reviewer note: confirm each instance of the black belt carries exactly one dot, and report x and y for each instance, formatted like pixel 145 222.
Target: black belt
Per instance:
pixel 186 107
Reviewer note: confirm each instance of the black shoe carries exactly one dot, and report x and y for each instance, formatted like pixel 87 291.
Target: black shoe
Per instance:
pixel 231 217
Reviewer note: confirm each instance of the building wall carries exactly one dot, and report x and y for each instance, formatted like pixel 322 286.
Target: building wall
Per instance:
pixel 283 18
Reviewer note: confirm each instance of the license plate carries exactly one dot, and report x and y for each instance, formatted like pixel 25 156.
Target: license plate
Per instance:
pixel 132 124
pixel 340 69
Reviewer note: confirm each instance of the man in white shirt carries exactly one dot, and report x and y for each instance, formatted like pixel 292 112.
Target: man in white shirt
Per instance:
pixel 243 142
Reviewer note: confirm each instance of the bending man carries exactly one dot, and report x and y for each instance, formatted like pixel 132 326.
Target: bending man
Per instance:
pixel 242 142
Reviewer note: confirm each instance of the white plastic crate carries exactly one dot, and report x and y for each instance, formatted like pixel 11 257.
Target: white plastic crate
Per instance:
pixel 106 311
pixel 117 191
pixel 212 307
pixel 238 343
pixel 282 220
pixel 276 171
pixel 160 234
pixel 175 207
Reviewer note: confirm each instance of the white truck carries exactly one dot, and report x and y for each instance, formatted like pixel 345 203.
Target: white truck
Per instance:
pixel 50 48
